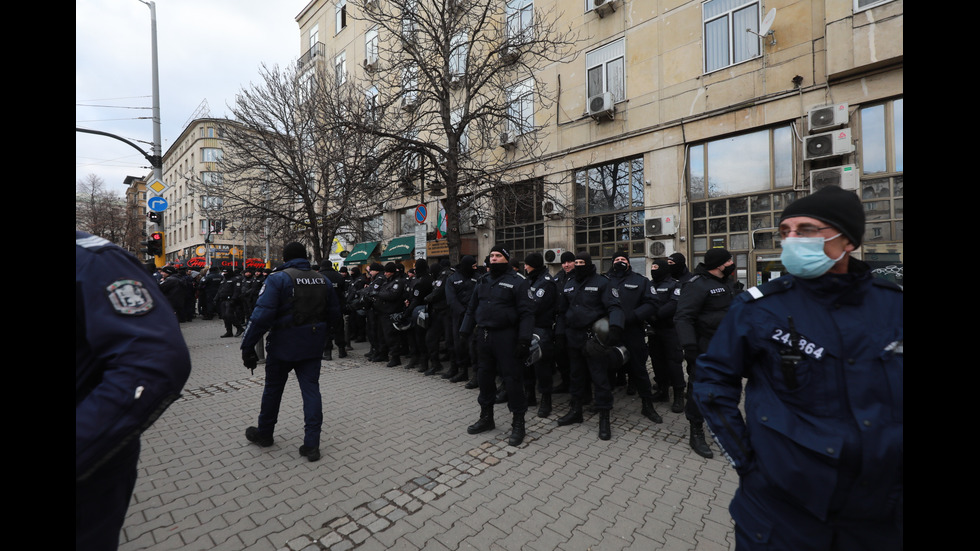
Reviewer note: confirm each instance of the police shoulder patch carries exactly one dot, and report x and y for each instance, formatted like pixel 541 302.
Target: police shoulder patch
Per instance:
pixel 540 293
pixel 615 292
pixel 129 297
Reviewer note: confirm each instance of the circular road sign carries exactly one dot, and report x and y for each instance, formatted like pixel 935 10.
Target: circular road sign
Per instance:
pixel 157 204
pixel 420 213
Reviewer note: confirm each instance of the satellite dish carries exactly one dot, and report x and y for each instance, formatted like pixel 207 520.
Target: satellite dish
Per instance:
pixel 767 22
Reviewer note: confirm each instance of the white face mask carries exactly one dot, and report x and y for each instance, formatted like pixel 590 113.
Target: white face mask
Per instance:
pixel 804 256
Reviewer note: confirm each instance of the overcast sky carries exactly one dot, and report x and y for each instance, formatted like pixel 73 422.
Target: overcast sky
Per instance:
pixel 208 50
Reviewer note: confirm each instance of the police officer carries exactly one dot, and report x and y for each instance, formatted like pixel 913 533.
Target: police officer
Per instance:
pixel 567 259
pixel 543 291
pixel 296 307
pixel 703 303
pixel 586 298
pixel 391 297
pixel 375 319
pixel 131 363
pixel 665 350
pixel 209 289
pixel 459 291
pixel 819 451
pixel 438 323
pixel 338 331
pixel 502 315
pixel 228 302
pixel 635 295
pixel 355 307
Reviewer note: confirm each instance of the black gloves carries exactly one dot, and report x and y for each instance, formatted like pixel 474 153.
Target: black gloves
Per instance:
pixel 250 359
pixel 615 336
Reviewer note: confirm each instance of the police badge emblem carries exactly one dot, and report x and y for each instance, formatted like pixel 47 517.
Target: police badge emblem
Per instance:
pixel 129 298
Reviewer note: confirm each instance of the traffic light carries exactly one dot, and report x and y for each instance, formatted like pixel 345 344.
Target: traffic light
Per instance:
pixel 155 217
pixel 154 245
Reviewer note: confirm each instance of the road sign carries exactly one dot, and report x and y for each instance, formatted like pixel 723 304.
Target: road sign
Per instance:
pixel 420 213
pixel 157 204
pixel 158 187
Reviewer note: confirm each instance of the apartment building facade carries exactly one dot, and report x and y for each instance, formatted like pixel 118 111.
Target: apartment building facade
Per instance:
pixel 196 230
pixel 681 125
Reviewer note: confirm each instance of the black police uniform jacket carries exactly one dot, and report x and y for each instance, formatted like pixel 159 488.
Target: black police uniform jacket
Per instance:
pixel 703 303
pixel 635 297
pixel 500 302
pixel 584 302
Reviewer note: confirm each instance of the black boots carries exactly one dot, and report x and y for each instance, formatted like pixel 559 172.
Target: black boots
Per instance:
pixel 342 353
pixel 328 354
pixel 517 430
pixel 647 411
pixel 252 435
pixel 463 375
pixel 678 405
pixel 698 443
pixel 434 368
pixel 485 422
pixel 395 360
pixel 501 395
pixel 544 409
pixel 412 363
pixel 453 371
pixel 661 395
pixel 605 432
pixel 574 414
pixel 313 454
pixel 473 382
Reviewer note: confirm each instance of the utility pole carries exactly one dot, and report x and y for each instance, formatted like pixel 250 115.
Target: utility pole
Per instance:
pixel 157 141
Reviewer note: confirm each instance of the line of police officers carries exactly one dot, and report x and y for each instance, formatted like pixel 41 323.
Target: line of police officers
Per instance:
pixel 508 332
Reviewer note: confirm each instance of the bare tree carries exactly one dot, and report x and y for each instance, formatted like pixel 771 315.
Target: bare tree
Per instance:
pixel 456 86
pixel 104 213
pixel 284 169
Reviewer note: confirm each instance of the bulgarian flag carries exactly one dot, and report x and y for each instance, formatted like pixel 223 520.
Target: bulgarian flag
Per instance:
pixel 441 223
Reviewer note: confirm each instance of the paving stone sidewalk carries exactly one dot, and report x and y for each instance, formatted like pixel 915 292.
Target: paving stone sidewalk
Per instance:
pixel 399 471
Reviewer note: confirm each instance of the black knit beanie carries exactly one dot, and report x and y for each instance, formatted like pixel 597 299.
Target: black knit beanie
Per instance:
pixel 567 256
pixel 836 206
pixel 534 260
pixel 716 257
pixel 292 251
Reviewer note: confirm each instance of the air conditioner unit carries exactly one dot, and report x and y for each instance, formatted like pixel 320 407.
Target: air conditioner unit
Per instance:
pixel 603 7
pixel 478 221
pixel 845 177
pixel 660 248
pixel 550 209
pixel 455 80
pixel 552 256
pixel 602 106
pixel 662 225
pixel 825 117
pixel 828 144
pixel 508 140
pixel 409 103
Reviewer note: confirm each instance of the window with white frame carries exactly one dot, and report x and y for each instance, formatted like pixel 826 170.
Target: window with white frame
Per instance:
pixel 314 38
pixel 730 32
pixel 520 108
pixel 211 178
pixel 341 15
pixel 410 84
pixel 371 102
pixel 606 70
pixel 455 118
pixel 371 45
pixel 211 154
pixel 340 68
pixel 520 16
pixel 457 55
pixel 408 21
pixel 211 203
pixel 860 5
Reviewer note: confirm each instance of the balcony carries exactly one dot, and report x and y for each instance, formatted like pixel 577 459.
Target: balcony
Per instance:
pixel 318 51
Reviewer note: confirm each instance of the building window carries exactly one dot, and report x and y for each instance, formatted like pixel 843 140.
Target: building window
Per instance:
pixel 371 45
pixel 520 110
pixel 726 40
pixel 371 103
pixel 455 119
pixel 211 178
pixel 410 85
pixel 458 48
pixel 882 187
pixel 408 21
pixel 609 210
pixel 341 15
pixel 314 38
pixel 210 203
pixel 372 229
pixel 211 155
pixel 758 161
pixel 340 68
pixel 518 222
pixel 210 132
pixel 605 70
pixel 520 17
pixel 861 5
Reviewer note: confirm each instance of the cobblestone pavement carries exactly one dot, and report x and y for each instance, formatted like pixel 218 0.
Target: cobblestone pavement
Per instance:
pixel 400 472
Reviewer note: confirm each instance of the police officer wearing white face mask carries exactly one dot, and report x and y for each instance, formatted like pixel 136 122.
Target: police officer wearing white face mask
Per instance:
pixel 819 450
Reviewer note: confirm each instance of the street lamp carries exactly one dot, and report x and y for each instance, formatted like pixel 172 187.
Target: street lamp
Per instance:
pixel 157 148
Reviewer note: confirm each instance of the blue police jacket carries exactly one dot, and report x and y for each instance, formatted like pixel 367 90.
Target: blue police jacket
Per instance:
pixel 275 312
pixel 822 359
pixel 131 361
